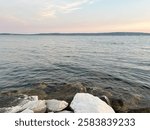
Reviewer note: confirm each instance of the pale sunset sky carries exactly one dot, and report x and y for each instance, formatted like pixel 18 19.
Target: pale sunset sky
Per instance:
pixel 37 16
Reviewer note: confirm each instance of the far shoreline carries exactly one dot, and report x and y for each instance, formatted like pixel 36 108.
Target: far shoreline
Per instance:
pixel 85 34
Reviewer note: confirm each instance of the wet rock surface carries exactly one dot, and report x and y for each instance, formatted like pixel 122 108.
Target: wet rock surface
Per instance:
pixel 9 101
pixel 123 102
pixel 18 103
pixel 120 102
pixel 66 92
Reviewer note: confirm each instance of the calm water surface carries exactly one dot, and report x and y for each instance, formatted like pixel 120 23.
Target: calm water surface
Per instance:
pixel 120 62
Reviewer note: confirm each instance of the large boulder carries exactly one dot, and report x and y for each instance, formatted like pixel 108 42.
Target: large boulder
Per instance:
pixel 56 105
pixel 87 103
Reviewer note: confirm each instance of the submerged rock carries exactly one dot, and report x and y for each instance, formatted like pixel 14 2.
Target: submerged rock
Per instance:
pixel 40 93
pixel 56 105
pixel 41 85
pixel 87 103
pixel 66 92
pixel 122 100
pixel 10 103
pixel 23 102
pixel 25 91
pixel 139 110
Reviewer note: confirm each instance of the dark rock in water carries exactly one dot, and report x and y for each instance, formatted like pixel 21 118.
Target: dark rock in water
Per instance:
pixel 43 91
pixel 9 101
pixel 125 101
pixel 122 101
pixel 105 99
pixel 10 93
pixel 139 110
pixel 117 104
pixel 38 91
pixel 99 92
pixel 41 85
pixel 67 92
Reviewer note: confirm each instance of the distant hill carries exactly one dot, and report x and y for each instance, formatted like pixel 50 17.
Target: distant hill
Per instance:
pixel 88 34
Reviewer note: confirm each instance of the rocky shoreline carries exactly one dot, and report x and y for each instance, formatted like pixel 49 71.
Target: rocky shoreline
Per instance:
pixel 70 98
pixel 81 103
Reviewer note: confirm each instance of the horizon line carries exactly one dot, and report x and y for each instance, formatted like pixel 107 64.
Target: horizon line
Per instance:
pixel 78 33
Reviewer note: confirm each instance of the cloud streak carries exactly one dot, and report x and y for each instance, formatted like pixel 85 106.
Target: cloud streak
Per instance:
pixel 40 9
pixel 74 5
pixel 53 8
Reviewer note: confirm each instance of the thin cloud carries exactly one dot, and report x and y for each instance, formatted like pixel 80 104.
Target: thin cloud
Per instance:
pixel 75 5
pixel 66 6
pixel 40 9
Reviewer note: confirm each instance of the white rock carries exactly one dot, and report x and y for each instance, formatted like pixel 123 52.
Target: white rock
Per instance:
pixel 27 111
pixel 29 102
pixel 24 104
pixel 37 106
pixel 13 109
pixel 32 103
pixel 87 103
pixel 56 105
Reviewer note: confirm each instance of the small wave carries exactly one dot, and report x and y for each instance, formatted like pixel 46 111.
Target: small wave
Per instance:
pixel 118 43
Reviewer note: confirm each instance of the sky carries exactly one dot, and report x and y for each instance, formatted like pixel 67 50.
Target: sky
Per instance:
pixel 42 16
